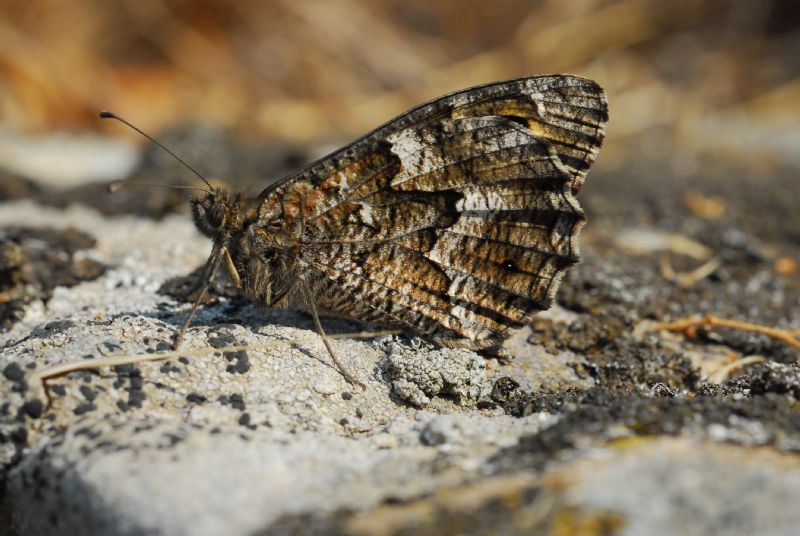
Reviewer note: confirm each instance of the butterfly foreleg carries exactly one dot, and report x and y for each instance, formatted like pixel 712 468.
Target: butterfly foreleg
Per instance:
pixel 208 277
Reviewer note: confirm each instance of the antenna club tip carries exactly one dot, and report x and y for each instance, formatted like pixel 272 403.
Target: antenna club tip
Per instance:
pixel 106 115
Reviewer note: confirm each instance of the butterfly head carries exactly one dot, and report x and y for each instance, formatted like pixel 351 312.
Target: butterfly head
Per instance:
pixel 212 213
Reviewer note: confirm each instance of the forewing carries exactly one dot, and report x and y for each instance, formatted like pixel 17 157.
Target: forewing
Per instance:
pixel 457 219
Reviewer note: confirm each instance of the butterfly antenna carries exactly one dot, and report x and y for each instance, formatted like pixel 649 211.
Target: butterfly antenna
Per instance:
pixel 114 187
pixel 111 115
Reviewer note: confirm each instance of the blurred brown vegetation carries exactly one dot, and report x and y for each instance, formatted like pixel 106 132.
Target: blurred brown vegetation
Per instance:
pixel 705 74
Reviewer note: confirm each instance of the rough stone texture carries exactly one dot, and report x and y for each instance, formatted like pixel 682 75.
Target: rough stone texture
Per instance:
pixel 217 441
pixel 596 426
pixel 418 375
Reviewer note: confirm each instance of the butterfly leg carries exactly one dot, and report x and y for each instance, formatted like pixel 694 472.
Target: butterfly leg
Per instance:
pixel 208 277
pixel 313 309
pixel 232 272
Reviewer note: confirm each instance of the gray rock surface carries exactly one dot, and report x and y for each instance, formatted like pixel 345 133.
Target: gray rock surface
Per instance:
pixel 219 442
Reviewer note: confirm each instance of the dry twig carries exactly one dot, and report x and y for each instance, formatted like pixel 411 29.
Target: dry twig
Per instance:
pixel 689 326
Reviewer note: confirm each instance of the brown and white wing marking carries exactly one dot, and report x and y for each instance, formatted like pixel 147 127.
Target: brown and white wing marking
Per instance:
pixel 457 219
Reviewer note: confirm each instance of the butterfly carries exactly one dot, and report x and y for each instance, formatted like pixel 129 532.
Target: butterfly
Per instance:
pixel 456 220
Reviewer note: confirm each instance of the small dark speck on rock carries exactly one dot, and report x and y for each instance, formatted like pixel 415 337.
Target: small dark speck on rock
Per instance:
pixel 215 431
pixel 84 407
pixel 230 356
pixel 122 405
pixel 217 342
pixel 359 413
pixel 88 393
pixel 343 422
pixel 111 347
pixel 243 365
pixel 172 439
pixel 163 346
pixel 195 398
pixel 19 435
pixel 184 360
pixel 88 431
pixel 135 398
pixel 347 396
pixel 59 325
pixel 137 383
pixel 124 370
pixel 244 419
pixel 13 372
pixel 33 408
pixel 58 389
pixel 237 402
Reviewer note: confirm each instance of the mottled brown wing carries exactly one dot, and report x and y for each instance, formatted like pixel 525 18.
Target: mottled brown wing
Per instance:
pixel 457 219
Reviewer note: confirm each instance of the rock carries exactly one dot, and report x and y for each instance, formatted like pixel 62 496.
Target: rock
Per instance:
pixel 216 441
pixel 418 376
pixel 589 428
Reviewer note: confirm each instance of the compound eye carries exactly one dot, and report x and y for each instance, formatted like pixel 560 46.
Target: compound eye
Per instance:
pixel 216 216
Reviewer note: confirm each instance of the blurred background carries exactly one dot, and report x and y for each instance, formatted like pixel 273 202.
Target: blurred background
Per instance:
pixel 703 141
pixel 253 89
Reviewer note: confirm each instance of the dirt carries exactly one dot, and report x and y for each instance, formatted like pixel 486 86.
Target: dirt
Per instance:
pixel 35 261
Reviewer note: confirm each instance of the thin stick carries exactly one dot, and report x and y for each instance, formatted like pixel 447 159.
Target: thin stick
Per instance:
pixel 689 324
pixel 313 307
